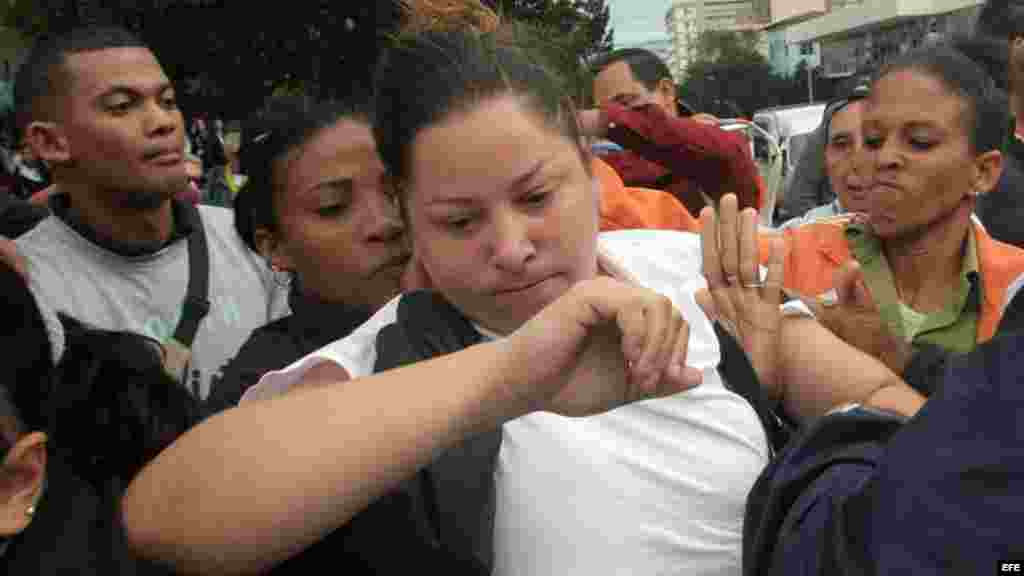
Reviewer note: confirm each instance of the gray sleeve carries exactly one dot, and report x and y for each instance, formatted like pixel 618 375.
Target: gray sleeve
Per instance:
pixel 809 186
pixel 277 294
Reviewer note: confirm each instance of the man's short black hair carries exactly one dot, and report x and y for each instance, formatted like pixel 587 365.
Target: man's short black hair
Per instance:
pixel 38 80
pixel 647 68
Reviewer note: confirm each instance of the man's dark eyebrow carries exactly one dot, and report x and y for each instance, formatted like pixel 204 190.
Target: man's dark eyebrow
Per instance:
pixel 131 90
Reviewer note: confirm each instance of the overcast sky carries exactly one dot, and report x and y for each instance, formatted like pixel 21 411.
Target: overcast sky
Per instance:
pixel 638 21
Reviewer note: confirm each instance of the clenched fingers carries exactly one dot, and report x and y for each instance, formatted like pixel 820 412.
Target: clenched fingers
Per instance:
pixel 651 331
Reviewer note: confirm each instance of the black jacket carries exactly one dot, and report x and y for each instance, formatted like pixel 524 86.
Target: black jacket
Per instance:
pixel 18 216
pixel 311 326
pixel 1002 210
pixel 453 498
pixel 861 492
pixel 440 520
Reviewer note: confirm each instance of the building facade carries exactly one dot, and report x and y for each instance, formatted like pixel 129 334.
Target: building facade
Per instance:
pixel 684 24
pixel 861 37
pixel 686 20
pixel 786 55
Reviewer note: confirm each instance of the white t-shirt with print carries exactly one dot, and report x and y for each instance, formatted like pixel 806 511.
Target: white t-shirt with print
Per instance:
pixel 655 487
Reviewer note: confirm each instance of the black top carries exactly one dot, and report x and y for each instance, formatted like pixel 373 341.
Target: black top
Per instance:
pixel 312 325
pixel 860 492
pixel 1002 210
pixel 18 216
pixel 382 539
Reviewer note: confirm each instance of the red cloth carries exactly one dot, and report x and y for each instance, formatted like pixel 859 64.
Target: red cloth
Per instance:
pixel 681 156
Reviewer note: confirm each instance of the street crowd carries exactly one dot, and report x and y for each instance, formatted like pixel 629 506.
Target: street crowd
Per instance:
pixel 464 323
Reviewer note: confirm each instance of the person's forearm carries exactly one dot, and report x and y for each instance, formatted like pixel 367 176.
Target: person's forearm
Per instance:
pixel 254 485
pixel 818 371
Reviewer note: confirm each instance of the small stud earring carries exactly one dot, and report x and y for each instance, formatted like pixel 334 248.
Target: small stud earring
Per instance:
pixel 30 511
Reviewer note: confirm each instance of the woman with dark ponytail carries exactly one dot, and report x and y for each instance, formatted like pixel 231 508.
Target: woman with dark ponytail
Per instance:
pixel 317 207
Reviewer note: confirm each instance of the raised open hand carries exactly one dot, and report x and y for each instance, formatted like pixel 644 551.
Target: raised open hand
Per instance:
pixel 737 298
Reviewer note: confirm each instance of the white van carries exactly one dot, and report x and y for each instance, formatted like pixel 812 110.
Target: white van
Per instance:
pixel 790 126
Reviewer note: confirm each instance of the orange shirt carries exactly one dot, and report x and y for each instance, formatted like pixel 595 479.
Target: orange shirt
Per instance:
pixel 625 208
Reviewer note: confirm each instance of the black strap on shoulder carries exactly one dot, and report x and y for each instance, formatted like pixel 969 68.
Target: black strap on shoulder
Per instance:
pixel 197 303
pixel 740 377
pixel 454 496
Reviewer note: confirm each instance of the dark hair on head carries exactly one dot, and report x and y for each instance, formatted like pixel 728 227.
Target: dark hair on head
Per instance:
pixel 990 53
pixel 987 116
pixel 646 66
pixel 117 407
pixel 27 380
pixel 427 76
pixel 38 80
pixel 107 406
pixel 1002 19
pixel 285 124
pixel 858 81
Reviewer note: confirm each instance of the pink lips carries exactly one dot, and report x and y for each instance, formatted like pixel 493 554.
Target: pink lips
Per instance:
pixel 166 158
pixel 522 287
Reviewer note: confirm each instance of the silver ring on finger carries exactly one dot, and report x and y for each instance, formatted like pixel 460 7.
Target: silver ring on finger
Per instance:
pixel 754 284
pixel 731 279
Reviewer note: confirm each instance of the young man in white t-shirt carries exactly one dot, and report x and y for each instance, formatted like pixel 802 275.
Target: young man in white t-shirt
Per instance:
pixel 97 107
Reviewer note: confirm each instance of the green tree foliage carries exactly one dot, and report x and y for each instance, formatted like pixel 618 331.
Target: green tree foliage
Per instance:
pixel 724 47
pixel 227 56
pixel 581 25
pixel 731 77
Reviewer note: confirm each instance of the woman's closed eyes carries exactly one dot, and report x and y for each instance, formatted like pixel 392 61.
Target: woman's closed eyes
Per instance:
pixel 335 197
